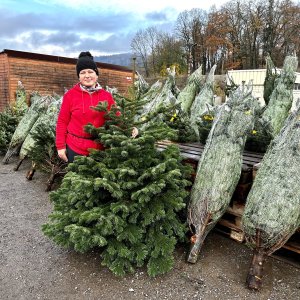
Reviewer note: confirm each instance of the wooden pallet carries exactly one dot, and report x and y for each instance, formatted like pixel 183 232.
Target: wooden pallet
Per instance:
pixel 192 152
pixel 230 223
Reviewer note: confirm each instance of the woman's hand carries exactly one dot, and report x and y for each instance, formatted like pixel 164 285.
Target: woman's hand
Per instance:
pixel 134 132
pixel 62 153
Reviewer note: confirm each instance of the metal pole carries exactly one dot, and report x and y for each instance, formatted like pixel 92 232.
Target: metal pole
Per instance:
pixel 133 72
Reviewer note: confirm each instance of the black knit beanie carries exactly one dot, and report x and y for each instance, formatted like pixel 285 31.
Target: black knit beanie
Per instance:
pixel 86 61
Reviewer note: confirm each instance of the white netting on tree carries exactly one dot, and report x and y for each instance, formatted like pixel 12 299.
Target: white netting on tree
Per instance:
pixel 273 204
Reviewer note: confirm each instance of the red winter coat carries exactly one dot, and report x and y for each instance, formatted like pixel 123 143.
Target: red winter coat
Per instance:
pixel 75 113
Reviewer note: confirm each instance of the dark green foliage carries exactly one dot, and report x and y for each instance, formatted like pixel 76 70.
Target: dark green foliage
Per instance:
pixel 8 124
pixel 270 79
pixel 126 199
pixel 10 118
pixel 231 87
pixel 204 127
pixel 181 123
pixel 258 139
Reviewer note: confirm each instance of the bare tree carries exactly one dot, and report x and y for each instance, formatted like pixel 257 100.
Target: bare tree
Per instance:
pixel 191 28
pixel 217 42
pixel 290 28
pixel 238 35
pixel 253 24
pixel 140 46
pixel 169 52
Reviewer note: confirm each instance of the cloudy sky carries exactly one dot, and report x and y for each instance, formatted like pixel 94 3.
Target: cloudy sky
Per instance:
pixel 67 27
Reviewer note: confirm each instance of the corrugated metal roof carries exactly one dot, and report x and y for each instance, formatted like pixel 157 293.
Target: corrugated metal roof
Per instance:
pixel 53 58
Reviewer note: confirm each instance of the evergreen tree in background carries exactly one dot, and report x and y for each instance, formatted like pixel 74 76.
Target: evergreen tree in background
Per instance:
pixel 8 124
pixel 180 121
pixel 127 200
pixel 11 116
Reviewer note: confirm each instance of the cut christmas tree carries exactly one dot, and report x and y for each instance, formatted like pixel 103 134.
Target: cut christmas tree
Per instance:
pixel 200 104
pixel 126 200
pixel 270 79
pixel 166 97
pixel 29 142
pixel 279 103
pixel 38 105
pixel 187 95
pixel 272 211
pixel 281 99
pixel 42 150
pixel 220 166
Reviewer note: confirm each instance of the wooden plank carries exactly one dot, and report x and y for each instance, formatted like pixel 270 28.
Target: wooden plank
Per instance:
pixel 230 229
pixel 194 151
pixel 292 246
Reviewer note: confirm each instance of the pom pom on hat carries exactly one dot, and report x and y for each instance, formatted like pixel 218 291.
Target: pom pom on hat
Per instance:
pixel 86 61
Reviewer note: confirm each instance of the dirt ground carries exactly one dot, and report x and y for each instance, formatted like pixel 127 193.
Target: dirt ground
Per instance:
pixel 33 267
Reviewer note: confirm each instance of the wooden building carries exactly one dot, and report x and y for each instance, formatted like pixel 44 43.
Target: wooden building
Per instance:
pixel 49 74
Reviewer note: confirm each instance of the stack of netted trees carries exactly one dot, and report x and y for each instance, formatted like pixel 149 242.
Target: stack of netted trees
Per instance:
pixel 34 136
pixel 272 212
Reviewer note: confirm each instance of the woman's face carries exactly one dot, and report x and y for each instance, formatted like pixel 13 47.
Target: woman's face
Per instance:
pixel 88 77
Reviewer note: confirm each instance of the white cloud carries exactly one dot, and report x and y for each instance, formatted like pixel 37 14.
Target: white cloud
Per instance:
pixel 65 27
pixel 137 6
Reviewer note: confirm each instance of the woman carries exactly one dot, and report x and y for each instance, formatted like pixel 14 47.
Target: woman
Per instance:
pixel 76 112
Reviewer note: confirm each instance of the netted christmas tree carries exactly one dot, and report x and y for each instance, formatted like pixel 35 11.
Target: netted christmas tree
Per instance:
pixel 38 105
pixel 199 108
pixel 220 166
pixel 278 96
pixel 272 211
pixel 41 149
pixel 187 96
pixel 270 79
pixel 125 200
pixel 161 105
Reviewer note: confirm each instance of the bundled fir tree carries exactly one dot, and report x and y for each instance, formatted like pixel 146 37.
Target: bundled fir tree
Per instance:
pixel 200 105
pixel 20 105
pixel 38 105
pixel 278 96
pixel 180 121
pixel 187 96
pixel 272 211
pixel 220 166
pixel 42 150
pixel 126 200
pixel 29 142
pixel 141 86
pixel 166 97
pixel 270 79
pixel 205 121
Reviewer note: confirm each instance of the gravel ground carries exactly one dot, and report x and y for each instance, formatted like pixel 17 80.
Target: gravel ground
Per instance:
pixel 33 267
